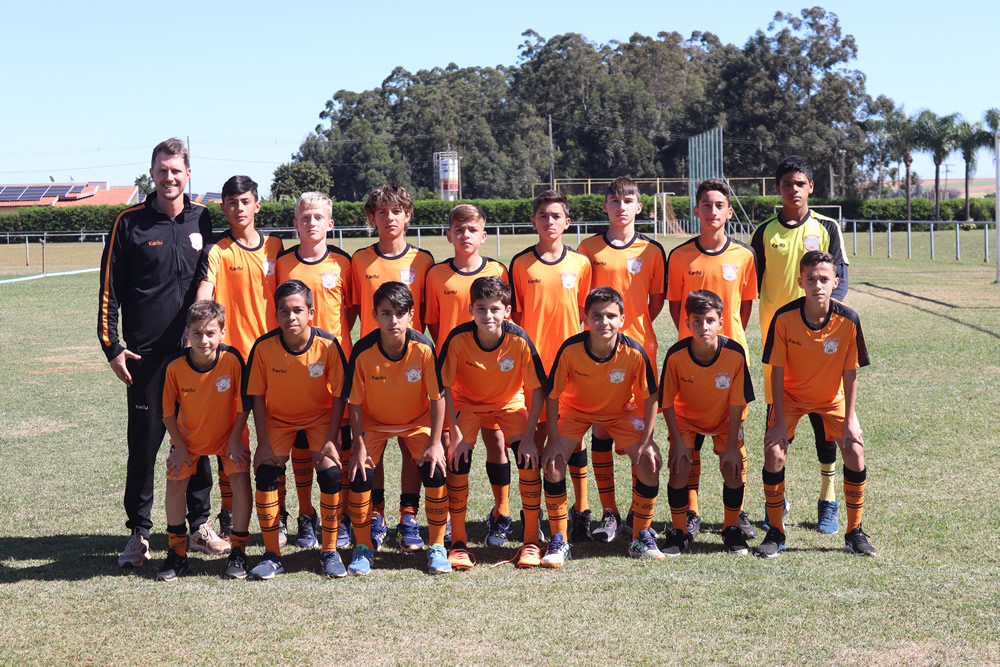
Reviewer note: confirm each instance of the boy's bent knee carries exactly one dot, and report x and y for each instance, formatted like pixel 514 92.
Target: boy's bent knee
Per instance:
pixel 268 477
pixel 431 481
pixel 361 484
pixel 329 479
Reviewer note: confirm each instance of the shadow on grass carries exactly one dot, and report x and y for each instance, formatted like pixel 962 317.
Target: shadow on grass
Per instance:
pixel 944 304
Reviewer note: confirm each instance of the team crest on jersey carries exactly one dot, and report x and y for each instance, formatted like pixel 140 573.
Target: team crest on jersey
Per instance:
pixel 223 383
pixel 616 375
pixel 268 265
pixel 730 272
pixel 811 241
pixel 638 423
pixel 196 241
pixel 407 275
pixel 634 265
pixel 316 369
pixel 831 345
pixel 329 279
pixel 413 373
pixel 722 380
pixel 568 279
pixel 506 364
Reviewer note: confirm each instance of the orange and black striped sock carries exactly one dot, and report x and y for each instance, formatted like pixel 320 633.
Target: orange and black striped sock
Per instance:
pixel 302 470
pixel 359 507
pixel 282 490
pixel 732 501
pixel 378 501
pixel 435 504
pixel 854 496
pixel 678 501
pixel 577 465
pixel 268 512
pixel 457 484
pixel 604 471
pixel 694 479
pixel 774 495
pixel 177 539
pixel 529 483
pixel 409 503
pixel 643 506
pixel 499 476
pixel 555 504
pixel 330 506
pixel 225 490
pixel 239 540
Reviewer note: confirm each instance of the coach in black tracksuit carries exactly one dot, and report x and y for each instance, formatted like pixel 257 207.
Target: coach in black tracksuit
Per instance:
pixel 148 273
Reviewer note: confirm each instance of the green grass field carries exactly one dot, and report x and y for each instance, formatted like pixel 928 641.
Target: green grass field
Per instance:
pixel 928 404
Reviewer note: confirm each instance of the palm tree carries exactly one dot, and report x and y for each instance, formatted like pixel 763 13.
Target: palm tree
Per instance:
pixel 936 135
pixel 903 131
pixel 969 138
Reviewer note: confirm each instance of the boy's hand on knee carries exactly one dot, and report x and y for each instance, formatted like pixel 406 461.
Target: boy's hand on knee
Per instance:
pixel 852 432
pixel 264 456
pixel 238 453
pixel 649 450
pixel 177 457
pixel 434 455
pixel 731 462
pixel 776 434
pixel 527 454
pixel 460 451
pixel 331 451
pixel 678 455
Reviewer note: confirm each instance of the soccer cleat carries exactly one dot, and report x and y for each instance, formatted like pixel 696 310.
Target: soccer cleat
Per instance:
pixel 607 528
pixel 460 558
pixel 333 567
pixel 270 564
pixel 773 544
pixel 344 532
pixel 225 518
pixel 173 567
pixel 408 534
pixel 136 551
pixel 765 525
pixel 306 537
pixel 677 543
pixel 645 547
pixel 579 525
pixel 282 529
pixel 743 523
pixel 437 560
pixel 236 566
pixel 735 540
pixel 528 556
pixel 856 542
pixel 497 530
pixel 207 541
pixel 693 525
pixel 826 516
pixel 379 530
pixel 361 561
pixel 557 552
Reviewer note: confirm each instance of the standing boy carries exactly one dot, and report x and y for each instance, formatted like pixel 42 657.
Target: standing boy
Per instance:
pixel 780 243
pixel 595 378
pixel 716 262
pixel 814 347
pixel 205 412
pixel 632 264
pixel 393 391
pixel 704 390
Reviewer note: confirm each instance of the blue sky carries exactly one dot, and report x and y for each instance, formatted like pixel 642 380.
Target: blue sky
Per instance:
pixel 92 87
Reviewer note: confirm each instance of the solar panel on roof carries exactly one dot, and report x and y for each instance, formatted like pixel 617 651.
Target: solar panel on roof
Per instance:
pixel 57 190
pixel 76 188
pixel 34 192
pixel 12 192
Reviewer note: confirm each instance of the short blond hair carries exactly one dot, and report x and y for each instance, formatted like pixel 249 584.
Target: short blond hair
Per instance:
pixel 314 200
pixel 466 213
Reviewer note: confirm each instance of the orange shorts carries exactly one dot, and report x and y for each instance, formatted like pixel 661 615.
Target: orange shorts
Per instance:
pixel 688 436
pixel 283 438
pixel 414 439
pixel 625 430
pixel 229 465
pixel 511 422
pixel 832 414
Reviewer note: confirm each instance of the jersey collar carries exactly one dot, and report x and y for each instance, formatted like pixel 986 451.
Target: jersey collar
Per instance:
pixel 614 349
pixel 534 250
pixel 607 241
pixel 711 253
pixel 402 254
pixel 187 357
pixel 451 263
pixel 314 262
pixel 503 334
pixel 402 355
pixel 718 351
pixel 312 337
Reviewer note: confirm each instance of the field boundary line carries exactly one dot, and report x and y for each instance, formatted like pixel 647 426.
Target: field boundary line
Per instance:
pixel 48 275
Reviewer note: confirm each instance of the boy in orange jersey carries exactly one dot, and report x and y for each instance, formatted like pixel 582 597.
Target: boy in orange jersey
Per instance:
pixel 447 306
pixel 393 391
pixel 326 270
pixel 704 390
pixel 550 282
pixel 389 209
pixel 716 262
pixel 295 379
pixel 486 365
pixel 238 270
pixel 814 347
pixel 205 413
pixel 634 265
pixel 596 377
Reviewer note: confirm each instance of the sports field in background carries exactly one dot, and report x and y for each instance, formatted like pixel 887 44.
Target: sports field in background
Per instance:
pixel 929 406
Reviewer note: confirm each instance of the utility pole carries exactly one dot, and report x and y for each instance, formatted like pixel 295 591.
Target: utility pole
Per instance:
pixel 843 172
pixel 552 158
pixel 189 158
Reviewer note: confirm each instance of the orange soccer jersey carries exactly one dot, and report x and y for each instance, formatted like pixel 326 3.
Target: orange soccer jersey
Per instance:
pixel 330 280
pixel 205 401
pixel 549 296
pixel 702 393
pixel 815 359
pixel 493 379
pixel 244 280
pixel 601 389
pixel 371 268
pixel 394 393
pixel 446 293
pixel 731 273
pixel 635 271
pixel 299 387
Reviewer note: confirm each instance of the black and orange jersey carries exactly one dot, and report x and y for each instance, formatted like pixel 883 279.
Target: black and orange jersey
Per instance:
pixel 601 388
pixel 394 392
pixel 779 246
pixel 446 293
pixel 298 386
pixel 701 393
pixel 330 280
pixel 815 359
pixel 371 268
pixel 244 280
pixel 205 401
pixel 550 297
pixel 635 271
pixel 493 378
pixel 731 273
